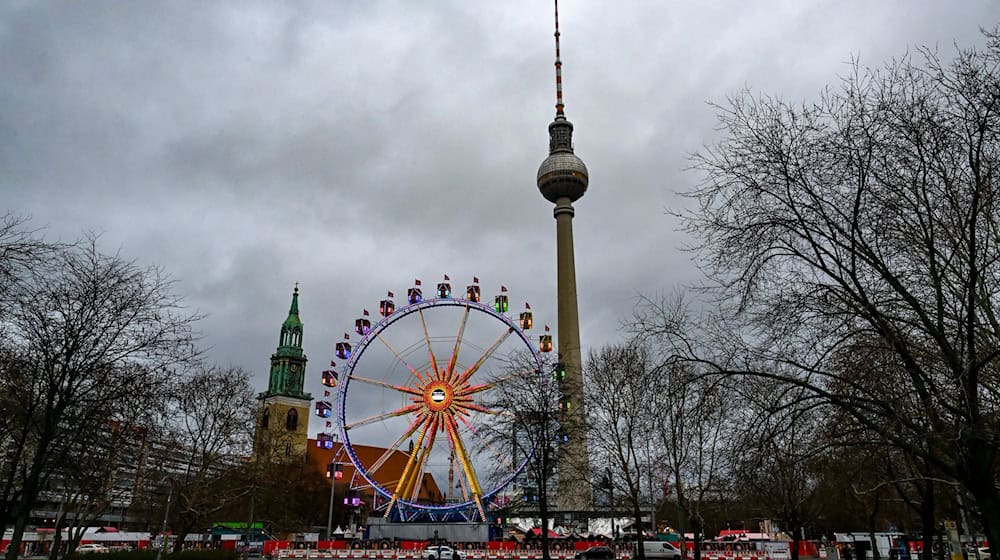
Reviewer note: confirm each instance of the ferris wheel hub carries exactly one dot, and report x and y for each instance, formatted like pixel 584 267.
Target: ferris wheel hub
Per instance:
pixel 439 396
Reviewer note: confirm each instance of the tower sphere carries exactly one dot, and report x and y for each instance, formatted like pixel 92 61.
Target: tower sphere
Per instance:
pixel 562 174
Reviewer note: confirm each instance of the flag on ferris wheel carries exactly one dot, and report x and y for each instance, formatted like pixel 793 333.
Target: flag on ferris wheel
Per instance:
pixel 328 424
pixel 475 279
pixel 326 393
pixel 527 305
pixel 391 296
pixel 365 313
pixel 416 282
pixel 546 328
pixel 347 336
pixel 446 279
pixel 503 288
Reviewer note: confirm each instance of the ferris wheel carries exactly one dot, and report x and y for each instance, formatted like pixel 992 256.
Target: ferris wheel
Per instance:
pixel 417 401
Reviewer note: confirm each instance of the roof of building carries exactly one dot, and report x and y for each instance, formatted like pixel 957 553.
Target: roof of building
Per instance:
pixel 387 475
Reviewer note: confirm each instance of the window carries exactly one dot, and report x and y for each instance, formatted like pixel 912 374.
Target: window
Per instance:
pixel 265 418
pixel 292 420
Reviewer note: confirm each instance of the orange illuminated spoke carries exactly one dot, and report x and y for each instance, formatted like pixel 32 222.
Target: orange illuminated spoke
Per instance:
pixel 417 422
pixel 473 389
pixel 400 388
pixel 463 457
pixel 409 463
pixel 474 406
pixel 486 355
pixel 384 416
pixel 415 482
pixel 427 340
pixel 450 373
pixel 499 456
pixel 409 481
pixel 400 358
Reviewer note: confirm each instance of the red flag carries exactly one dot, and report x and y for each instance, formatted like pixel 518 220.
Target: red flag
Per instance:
pixel 546 328
pixel 326 393
pixel 391 296
pixel 446 279
pixel 347 336
pixel 527 305
pixel 475 279
pixel 416 282
pixel 503 288
pixel 333 363
pixel 366 313
pixel 328 424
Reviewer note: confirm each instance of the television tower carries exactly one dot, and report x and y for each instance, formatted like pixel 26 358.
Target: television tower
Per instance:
pixel 562 179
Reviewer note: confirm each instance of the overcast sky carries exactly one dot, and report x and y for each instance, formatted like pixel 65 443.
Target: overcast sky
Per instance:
pixel 354 146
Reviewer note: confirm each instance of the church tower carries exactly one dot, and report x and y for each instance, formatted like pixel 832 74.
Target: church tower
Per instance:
pixel 562 180
pixel 283 421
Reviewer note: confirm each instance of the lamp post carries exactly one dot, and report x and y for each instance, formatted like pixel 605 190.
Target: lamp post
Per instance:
pixel 166 514
pixel 329 515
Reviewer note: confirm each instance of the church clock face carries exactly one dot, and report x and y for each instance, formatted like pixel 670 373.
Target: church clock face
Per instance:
pixel 295 368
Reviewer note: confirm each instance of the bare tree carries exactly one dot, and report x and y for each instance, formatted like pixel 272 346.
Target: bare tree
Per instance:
pixel 21 251
pixel 692 426
pixel 92 337
pixel 528 426
pixel 619 383
pixel 871 215
pixel 779 447
pixel 212 434
pixel 694 414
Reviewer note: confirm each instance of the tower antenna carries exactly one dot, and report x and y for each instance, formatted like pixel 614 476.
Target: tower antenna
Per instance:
pixel 559 96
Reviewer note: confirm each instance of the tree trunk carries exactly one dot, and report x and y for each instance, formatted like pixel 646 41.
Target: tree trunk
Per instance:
pixel 696 526
pixel 28 493
pixel 872 516
pixel 928 526
pixel 989 512
pixel 179 543
pixel 796 539
pixel 57 536
pixel 682 517
pixel 640 551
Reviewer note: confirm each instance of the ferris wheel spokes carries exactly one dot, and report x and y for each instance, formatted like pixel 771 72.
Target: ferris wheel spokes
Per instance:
pixel 403 485
pixel 450 373
pixel 409 464
pixel 486 355
pixel 475 433
pixel 400 388
pixel 400 358
pixel 463 457
pixel 427 341
pixel 384 416
pixel 413 484
pixel 473 389
pixel 414 426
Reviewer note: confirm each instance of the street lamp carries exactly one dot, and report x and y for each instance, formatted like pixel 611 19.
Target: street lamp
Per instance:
pixel 334 471
pixel 166 514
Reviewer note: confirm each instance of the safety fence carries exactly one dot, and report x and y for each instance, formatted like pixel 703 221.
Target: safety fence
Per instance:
pixel 475 554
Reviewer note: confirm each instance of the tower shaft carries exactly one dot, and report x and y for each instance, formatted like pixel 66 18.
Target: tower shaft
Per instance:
pixel 574 492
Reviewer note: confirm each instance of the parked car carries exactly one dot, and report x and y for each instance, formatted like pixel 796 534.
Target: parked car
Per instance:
pixel 596 553
pixel 658 550
pixel 91 547
pixel 441 552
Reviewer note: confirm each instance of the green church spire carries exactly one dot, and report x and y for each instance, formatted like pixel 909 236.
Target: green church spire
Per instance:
pixel 288 363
